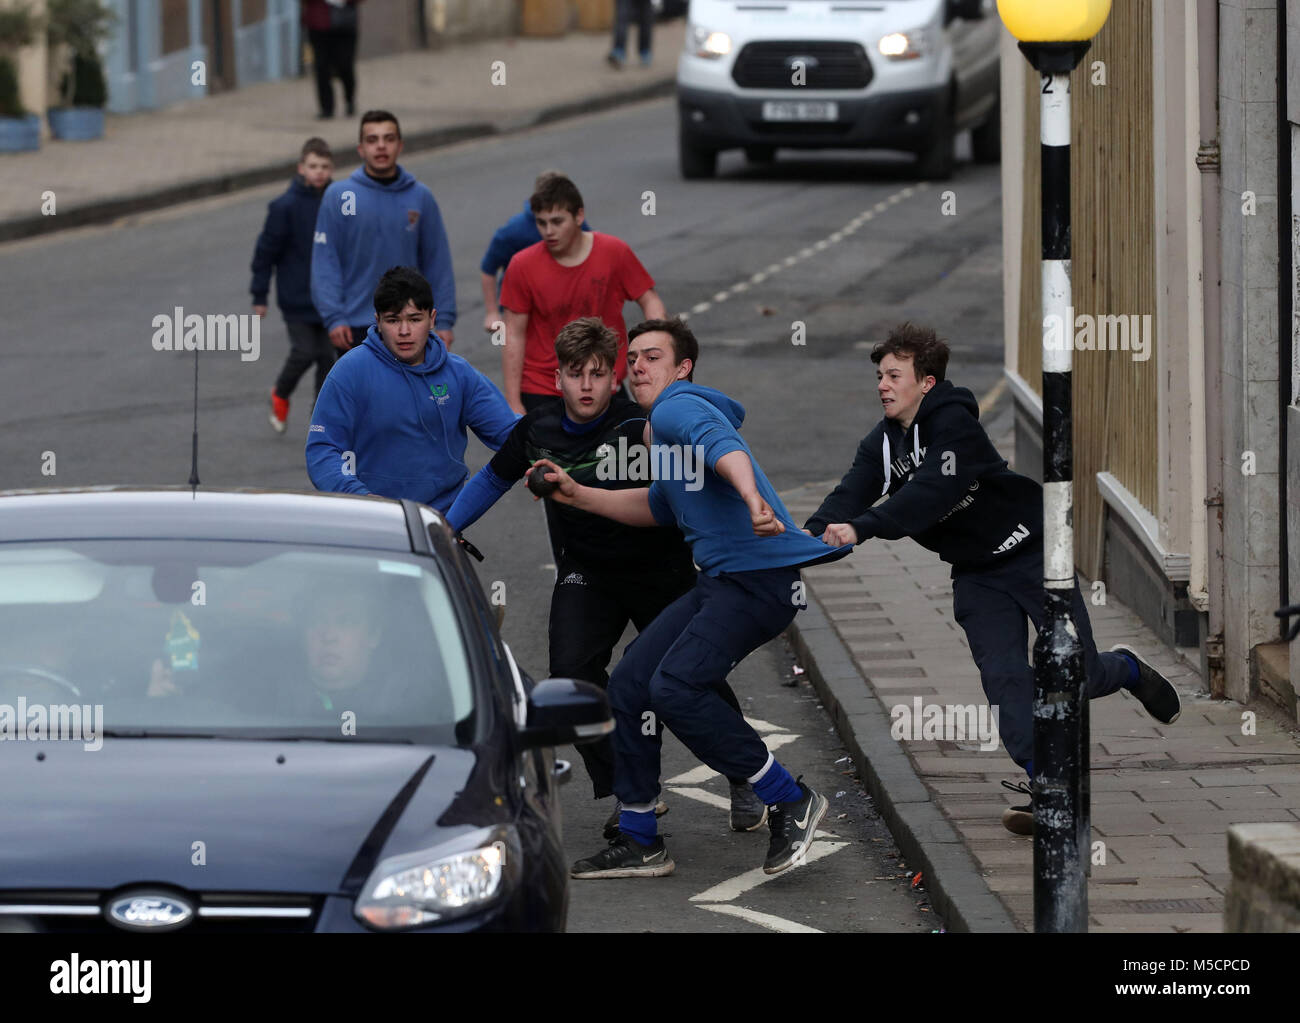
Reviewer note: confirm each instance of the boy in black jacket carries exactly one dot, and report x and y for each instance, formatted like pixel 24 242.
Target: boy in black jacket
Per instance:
pixel 285 246
pixel 607 574
pixel 951 491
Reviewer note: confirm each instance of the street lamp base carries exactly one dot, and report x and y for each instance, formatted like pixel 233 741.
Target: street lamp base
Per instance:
pixel 1055 58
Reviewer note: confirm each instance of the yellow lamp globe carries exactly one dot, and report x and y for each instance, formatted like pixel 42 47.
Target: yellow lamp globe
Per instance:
pixel 1053 21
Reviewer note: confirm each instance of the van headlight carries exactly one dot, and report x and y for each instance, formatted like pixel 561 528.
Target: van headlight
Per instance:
pixel 440 884
pixel 706 43
pixel 904 45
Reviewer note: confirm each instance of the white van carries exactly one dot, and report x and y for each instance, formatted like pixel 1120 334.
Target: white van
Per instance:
pixel 820 74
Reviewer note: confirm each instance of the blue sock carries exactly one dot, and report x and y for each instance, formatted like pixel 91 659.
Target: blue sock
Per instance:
pixel 777 786
pixel 639 826
pixel 1133 673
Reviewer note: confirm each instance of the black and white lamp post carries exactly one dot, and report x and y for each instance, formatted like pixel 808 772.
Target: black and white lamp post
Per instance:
pixel 1054 35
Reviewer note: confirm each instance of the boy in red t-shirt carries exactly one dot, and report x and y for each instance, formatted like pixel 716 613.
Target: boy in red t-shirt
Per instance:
pixel 569 274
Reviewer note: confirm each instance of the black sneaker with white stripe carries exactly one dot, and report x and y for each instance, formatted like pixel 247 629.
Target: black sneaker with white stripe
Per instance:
pixel 793 826
pixel 626 857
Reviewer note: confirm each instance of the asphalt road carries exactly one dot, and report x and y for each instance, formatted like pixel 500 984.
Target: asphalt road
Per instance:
pixel 789 272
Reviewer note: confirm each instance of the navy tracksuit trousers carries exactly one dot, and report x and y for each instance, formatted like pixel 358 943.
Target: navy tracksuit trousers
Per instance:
pixel 994 607
pixel 675 669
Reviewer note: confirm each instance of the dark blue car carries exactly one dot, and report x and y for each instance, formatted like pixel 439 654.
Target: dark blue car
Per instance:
pixel 255 711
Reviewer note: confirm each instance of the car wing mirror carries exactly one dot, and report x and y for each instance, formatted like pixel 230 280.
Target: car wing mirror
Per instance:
pixel 564 710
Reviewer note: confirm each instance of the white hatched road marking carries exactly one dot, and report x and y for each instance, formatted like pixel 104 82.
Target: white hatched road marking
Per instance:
pixel 773 923
pixel 733 888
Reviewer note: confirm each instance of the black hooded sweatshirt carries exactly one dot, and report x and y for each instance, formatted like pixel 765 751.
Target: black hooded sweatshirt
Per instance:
pixel 948 487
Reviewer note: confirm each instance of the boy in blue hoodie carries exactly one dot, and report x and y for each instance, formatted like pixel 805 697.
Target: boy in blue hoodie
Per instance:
pixel 284 246
pixel 377 217
pixel 749 551
pixel 393 414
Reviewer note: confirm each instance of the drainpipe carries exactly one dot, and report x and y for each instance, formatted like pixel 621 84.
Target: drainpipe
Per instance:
pixel 1284 292
pixel 1207 161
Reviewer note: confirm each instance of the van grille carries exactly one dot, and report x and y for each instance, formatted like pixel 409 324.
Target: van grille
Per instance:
pixel 828 65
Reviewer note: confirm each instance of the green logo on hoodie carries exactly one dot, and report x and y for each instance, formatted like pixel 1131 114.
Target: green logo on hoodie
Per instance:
pixel 438 391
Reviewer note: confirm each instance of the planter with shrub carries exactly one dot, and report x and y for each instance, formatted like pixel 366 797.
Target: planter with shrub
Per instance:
pixel 78 27
pixel 19 130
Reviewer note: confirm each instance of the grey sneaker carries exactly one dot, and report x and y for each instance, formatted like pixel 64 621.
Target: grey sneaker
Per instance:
pixel 1155 692
pixel 748 812
pixel 793 826
pixel 626 857
pixel 611 831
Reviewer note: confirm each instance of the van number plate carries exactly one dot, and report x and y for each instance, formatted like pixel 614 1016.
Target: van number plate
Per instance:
pixel 803 110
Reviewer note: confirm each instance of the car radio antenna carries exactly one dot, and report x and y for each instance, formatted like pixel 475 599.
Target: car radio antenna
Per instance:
pixel 194 450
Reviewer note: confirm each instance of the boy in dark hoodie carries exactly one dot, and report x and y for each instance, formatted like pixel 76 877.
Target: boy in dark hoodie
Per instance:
pixel 393 414
pixel 951 491
pixel 285 246
pixel 749 552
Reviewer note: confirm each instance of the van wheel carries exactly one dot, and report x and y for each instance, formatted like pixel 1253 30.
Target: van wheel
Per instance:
pixel 986 140
pixel 696 161
pixel 938 159
pixel 760 154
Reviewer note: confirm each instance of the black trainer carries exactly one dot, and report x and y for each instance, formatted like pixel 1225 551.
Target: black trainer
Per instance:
pixel 611 822
pixel 748 812
pixel 626 857
pixel 1156 693
pixel 1019 820
pixel 793 826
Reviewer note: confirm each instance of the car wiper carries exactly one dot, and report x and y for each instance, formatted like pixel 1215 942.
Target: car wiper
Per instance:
pixel 142 733
pixel 324 738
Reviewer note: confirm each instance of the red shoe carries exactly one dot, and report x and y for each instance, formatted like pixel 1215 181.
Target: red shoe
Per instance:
pixel 279 413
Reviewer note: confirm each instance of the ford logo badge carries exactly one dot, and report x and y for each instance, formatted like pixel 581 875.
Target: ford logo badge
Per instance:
pixel 149 911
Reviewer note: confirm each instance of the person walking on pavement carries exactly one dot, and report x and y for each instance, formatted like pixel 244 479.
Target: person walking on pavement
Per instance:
pixel 951 491
pixel 569 274
pixel 284 246
pixel 515 235
pixel 607 574
pixel 332 31
pixel 644 13
pixel 377 217
pixel 393 414
pixel 749 552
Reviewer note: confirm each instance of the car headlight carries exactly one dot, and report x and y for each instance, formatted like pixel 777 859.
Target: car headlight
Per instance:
pixel 903 45
pixel 706 43
pixel 437 885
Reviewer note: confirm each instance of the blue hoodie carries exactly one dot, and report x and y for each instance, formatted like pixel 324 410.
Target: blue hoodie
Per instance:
pixel 363 229
pixel 285 247
pixel 714 517
pixel 405 425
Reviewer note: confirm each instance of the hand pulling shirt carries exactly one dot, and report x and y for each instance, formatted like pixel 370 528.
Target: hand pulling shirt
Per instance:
pixel 608 453
pixel 947 486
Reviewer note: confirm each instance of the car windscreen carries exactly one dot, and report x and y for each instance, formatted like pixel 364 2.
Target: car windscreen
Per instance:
pixel 233 640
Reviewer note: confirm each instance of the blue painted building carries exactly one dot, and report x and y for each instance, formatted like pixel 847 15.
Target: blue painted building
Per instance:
pixel 165 51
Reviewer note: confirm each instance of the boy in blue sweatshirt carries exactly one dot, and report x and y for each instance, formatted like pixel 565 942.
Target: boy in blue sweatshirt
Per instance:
pixel 377 217
pixel 749 551
pixel 284 246
pixel 393 414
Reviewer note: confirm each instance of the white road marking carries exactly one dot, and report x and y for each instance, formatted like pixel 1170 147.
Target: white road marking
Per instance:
pixel 772 923
pixel 725 891
pixel 759 725
pixel 701 774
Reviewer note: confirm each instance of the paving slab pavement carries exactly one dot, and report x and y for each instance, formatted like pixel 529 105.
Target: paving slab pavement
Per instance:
pixel 1163 796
